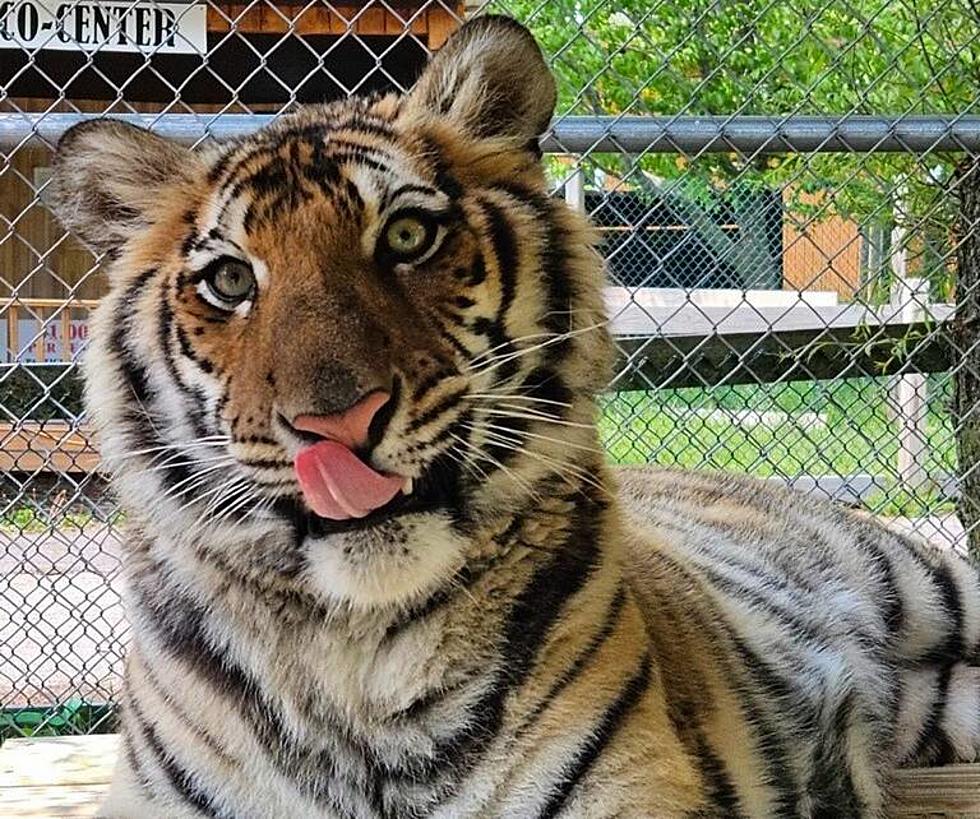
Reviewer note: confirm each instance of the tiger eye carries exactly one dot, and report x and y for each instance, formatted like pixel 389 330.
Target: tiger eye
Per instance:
pixel 232 280
pixel 407 235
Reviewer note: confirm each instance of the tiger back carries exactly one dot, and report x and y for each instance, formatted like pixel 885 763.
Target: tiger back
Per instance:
pixel 345 380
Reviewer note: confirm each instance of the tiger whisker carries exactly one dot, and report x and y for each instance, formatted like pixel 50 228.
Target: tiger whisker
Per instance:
pixel 531 415
pixel 484 455
pixel 563 468
pixel 494 396
pixel 538 436
pixel 499 361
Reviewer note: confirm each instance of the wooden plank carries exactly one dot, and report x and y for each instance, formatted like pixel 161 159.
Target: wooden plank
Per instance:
pixel 46 446
pixel 951 791
pixel 68 776
pixel 441 24
pixel 47 761
pixel 77 801
pixel 653 311
pixel 56 776
pixel 798 355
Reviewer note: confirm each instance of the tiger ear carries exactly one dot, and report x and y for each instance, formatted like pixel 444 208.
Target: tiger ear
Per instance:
pixel 490 79
pixel 108 176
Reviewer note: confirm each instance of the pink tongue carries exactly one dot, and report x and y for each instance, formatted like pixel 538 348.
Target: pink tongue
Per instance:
pixel 339 485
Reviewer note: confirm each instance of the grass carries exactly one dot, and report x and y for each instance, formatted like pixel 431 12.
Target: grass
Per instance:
pixel 32 519
pixel 796 428
pixel 815 428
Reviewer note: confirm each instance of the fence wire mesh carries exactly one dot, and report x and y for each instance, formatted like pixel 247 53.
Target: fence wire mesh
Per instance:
pixel 782 313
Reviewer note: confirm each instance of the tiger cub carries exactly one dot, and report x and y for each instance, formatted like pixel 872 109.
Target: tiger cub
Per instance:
pixel 345 380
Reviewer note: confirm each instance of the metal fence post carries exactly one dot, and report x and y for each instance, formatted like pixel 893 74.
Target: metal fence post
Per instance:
pixel 909 393
pixel 966 400
pixel 575 190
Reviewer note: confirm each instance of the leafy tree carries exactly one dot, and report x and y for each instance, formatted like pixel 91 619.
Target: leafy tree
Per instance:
pixel 737 57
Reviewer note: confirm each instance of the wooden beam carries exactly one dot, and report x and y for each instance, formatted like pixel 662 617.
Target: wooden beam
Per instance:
pixel 371 19
pixel 46 446
pixel 649 362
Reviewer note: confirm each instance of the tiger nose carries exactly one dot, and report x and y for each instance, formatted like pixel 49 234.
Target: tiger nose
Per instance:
pixel 350 427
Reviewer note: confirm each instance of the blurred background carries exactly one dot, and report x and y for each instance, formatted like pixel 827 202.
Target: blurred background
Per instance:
pixel 789 210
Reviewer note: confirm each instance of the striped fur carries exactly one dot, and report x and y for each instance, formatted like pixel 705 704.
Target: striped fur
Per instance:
pixel 517 639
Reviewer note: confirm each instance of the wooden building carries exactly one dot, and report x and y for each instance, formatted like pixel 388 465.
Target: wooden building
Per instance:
pixel 257 57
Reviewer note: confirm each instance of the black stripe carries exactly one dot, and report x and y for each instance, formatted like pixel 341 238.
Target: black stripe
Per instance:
pixel 474 275
pixel 830 785
pixel 574 671
pixel 722 795
pixel 431 382
pixel 183 782
pixel 762 685
pixel 545 384
pixel 555 264
pixel 953 648
pixel 533 614
pixel 455 343
pixel 893 612
pixel 630 695
pixel 772 689
pixel 358 158
pixel 132 759
pixel 933 747
pixel 504 246
pixel 197 400
pixel 512 429
pixel 193 725
pixel 179 624
pixel 540 603
pixel 188 352
pixel 445 404
pixel 432 151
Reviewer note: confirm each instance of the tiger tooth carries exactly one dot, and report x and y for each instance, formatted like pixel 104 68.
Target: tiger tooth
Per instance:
pixel 407 486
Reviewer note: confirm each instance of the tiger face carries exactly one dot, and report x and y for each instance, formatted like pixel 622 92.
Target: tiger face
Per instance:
pixel 336 349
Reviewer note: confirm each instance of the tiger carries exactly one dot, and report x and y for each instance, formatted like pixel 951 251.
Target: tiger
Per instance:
pixel 346 380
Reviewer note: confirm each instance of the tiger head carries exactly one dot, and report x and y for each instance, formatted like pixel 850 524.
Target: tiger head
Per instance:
pixel 335 349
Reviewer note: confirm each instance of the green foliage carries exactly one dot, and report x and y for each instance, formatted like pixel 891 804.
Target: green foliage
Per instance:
pixel 757 57
pixel 40 393
pixel 72 717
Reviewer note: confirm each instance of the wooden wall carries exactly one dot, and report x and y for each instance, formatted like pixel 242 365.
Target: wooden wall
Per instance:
pixel 38 261
pixel 820 253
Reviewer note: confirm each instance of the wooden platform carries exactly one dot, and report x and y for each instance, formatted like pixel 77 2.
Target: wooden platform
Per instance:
pixel 46 446
pixel 68 775
pixel 63 776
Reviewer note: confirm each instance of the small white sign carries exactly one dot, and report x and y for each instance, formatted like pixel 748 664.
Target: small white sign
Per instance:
pixel 163 28
pixel 54 344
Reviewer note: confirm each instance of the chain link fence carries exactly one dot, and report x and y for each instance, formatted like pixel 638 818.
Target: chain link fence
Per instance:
pixel 777 187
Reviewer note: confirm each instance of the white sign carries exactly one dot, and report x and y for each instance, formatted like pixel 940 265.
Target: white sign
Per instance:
pixel 163 28
pixel 54 344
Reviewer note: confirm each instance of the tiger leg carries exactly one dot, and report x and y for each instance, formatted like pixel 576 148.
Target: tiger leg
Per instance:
pixel 938 720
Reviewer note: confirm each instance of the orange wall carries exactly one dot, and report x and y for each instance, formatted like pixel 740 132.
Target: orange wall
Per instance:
pixel 821 252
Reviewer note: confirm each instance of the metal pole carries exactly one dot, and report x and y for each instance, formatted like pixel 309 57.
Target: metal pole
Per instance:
pixel 690 135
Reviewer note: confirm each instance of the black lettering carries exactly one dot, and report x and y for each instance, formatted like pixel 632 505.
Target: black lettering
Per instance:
pixel 166 25
pixel 61 15
pixel 5 32
pixel 27 22
pixel 142 26
pixel 101 23
pixel 124 16
pixel 82 16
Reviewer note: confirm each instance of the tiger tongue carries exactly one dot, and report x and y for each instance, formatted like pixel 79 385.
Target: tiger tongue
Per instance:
pixel 338 485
